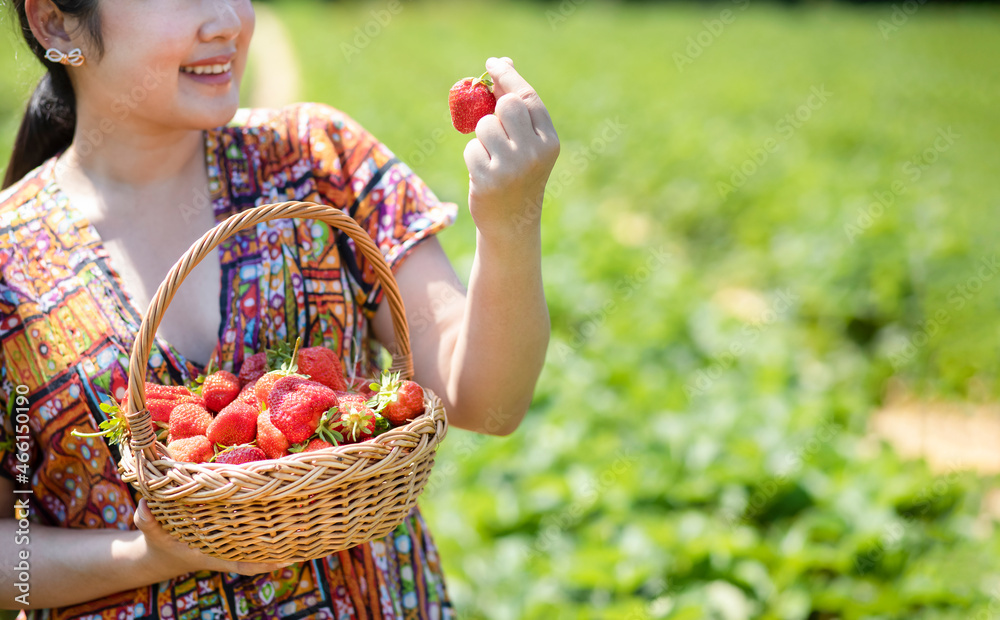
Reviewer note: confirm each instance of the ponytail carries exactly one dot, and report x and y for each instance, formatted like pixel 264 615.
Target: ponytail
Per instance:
pixel 47 127
pixel 50 116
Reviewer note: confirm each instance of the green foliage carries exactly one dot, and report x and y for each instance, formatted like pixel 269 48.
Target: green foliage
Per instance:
pixel 698 444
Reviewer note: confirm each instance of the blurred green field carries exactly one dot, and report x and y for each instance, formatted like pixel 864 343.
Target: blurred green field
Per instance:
pixel 757 219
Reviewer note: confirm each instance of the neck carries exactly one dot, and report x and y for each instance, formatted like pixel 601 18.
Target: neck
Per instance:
pixel 118 155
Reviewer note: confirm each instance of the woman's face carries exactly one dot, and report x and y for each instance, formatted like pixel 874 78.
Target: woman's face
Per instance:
pixel 153 53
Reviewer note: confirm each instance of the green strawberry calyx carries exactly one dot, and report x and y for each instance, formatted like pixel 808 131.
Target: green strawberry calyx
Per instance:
pixel 199 381
pixel 324 430
pixel 484 79
pixel 284 357
pixel 115 427
pixel 386 391
pixel 355 421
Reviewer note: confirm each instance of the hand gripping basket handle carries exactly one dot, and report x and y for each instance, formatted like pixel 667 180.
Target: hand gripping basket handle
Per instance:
pixel 142 436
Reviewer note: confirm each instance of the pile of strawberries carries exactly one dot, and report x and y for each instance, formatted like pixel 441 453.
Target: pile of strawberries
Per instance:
pixel 279 404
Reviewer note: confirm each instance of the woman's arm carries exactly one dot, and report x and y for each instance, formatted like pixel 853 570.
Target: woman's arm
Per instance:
pixel 482 350
pixel 64 562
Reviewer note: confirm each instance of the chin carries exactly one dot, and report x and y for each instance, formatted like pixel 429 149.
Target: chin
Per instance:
pixel 214 114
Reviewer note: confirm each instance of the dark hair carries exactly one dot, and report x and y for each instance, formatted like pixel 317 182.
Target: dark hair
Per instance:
pixel 50 116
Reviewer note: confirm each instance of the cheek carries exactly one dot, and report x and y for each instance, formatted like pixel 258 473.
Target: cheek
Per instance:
pixel 248 19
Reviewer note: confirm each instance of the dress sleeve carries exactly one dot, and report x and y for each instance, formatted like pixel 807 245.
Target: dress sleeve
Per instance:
pixel 393 205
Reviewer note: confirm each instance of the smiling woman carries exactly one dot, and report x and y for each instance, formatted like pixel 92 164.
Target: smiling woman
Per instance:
pixel 113 152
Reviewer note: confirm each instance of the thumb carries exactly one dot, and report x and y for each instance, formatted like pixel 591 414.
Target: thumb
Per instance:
pixel 143 517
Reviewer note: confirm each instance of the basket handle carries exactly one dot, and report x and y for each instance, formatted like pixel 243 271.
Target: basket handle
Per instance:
pixel 143 438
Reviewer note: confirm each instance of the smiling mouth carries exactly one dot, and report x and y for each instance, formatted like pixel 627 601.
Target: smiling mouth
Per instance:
pixel 209 69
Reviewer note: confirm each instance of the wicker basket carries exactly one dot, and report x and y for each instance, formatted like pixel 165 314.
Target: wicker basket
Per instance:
pixel 299 507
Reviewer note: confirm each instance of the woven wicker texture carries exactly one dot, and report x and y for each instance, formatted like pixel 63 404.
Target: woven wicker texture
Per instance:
pixel 299 507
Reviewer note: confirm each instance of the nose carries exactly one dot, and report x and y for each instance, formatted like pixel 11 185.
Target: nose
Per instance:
pixel 222 20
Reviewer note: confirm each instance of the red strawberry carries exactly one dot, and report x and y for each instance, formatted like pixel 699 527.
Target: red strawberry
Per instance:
pixel 188 420
pixel 262 388
pixel 197 449
pixel 236 424
pixel 240 454
pixel 253 368
pixel 296 404
pixel 323 366
pixel 360 385
pixel 269 438
pixel 354 419
pixel 470 99
pixel 314 444
pixel 399 401
pixel 159 409
pixel 219 389
pixel 166 392
pixel 248 395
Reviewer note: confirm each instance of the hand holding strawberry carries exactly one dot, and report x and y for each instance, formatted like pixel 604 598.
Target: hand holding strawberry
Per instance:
pixel 511 158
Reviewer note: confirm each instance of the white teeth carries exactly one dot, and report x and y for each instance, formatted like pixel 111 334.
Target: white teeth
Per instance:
pixel 208 69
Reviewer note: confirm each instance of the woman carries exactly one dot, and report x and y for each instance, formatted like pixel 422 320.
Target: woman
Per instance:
pixel 130 149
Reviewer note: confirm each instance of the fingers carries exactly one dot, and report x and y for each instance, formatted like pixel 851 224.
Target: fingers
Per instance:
pixel 493 135
pixel 191 559
pixel 257 568
pixel 514 118
pixel 507 80
pixel 477 159
pixel 144 519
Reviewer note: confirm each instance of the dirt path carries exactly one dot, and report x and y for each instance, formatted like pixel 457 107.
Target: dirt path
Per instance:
pixel 276 73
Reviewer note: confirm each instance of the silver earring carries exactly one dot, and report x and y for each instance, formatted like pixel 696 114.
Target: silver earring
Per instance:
pixel 74 57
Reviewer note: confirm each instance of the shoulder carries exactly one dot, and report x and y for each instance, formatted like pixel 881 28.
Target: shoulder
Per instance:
pixel 19 201
pixel 24 208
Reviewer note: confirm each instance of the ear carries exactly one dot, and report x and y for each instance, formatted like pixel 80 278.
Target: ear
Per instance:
pixel 48 24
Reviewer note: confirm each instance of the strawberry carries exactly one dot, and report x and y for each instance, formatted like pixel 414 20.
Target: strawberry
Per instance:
pixel 188 420
pixel 237 455
pixel 263 386
pixel 166 392
pixel 248 395
pixel 159 409
pixel 314 444
pixel 269 438
pixel 219 389
pixel 196 449
pixel 470 99
pixel 253 368
pixel 398 401
pixel 323 366
pixel 356 420
pixel 360 385
pixel 235 424
pixel 296 404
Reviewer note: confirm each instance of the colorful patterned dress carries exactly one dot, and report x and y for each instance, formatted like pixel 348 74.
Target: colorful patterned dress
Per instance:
pixel 67 326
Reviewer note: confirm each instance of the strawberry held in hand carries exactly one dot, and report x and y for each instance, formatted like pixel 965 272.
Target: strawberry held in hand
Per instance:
pixel 470 99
